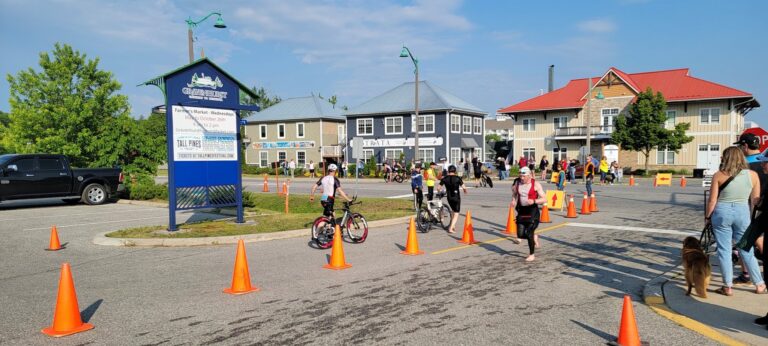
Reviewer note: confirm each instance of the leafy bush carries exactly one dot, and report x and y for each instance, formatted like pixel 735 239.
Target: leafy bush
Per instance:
pixel 145 188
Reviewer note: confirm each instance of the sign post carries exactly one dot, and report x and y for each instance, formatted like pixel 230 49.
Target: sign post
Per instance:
pixel 203 138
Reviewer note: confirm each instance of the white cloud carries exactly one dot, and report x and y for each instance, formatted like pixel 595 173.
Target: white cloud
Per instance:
pixel 353 32
pixel 598 26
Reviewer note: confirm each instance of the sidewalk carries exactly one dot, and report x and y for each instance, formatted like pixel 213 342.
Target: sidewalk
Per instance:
pixel 728 320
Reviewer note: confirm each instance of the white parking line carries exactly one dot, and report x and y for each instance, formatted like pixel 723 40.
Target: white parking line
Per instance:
pixel 633 229
pixel 401 196
pixel 84 214
pixel 97 223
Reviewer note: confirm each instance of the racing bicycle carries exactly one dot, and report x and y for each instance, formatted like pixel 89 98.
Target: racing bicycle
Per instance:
pixel 352 223
pixel 435 212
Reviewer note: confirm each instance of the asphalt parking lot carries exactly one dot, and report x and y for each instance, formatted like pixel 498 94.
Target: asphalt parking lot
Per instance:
pixel 453 294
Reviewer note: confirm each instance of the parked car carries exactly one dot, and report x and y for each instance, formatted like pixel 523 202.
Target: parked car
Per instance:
pixel 25 176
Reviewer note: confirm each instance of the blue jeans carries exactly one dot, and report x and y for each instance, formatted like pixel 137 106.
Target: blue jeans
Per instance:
pixel 589 186
pixel 729 222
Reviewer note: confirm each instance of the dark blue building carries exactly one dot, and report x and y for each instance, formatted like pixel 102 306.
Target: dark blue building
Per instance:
pixel 449 127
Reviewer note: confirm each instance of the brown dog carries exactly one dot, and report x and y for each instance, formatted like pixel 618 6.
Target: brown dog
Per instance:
pixel 698 271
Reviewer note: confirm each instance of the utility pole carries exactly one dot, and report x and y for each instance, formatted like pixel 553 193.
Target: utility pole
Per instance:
pixel 588 119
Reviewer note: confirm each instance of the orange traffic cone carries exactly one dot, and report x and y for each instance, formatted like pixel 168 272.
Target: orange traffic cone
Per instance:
pixel 593 204
pixel 632 180
pixel 511 223
pixel 571 209
pixel 54 245
pixel 628 335
pixel 66 316
pixel 683 182
pixel 241 278
pixel 468 237
pixel 545 214
pixel 337 261
pixel 266 184
pixel 412 243
pixel 585 205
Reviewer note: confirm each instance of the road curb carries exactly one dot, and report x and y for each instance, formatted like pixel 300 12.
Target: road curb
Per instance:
pixel 102 239
pixel 653 296
pixel 144 203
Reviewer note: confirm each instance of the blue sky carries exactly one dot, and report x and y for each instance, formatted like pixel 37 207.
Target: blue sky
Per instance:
pixel 490 53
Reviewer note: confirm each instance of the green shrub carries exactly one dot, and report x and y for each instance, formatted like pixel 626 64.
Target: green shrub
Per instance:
pixel 145 188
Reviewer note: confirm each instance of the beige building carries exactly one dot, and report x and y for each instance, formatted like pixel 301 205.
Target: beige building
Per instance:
pixel 555 123
pixel 303 129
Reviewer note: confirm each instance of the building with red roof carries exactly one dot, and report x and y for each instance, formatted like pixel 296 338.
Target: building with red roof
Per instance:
pixel 555 123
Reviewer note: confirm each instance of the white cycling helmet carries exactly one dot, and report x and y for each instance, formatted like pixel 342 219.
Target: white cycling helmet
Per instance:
pixel 332 167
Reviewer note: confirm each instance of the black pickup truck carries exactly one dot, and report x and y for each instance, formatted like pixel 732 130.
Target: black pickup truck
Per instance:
pixel 24 176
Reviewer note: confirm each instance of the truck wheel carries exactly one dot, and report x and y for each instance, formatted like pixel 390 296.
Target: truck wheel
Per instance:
pixel 94 194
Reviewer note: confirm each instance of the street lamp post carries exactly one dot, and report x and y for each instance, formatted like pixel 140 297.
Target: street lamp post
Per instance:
pixel 406 53
pixel 193 24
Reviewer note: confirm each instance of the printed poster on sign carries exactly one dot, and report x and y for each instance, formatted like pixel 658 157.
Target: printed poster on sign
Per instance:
pixel 204 134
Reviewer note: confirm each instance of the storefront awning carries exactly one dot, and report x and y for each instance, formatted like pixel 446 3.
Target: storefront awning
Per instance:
pixel 469 143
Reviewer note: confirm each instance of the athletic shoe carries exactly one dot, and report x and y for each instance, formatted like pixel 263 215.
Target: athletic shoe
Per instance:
pixel 763 321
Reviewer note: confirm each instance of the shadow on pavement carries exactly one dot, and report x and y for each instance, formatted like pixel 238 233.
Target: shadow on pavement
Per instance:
pixel 598 332
pixel 90 310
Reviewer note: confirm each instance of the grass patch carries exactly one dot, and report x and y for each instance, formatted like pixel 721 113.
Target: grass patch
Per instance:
pixel 268 216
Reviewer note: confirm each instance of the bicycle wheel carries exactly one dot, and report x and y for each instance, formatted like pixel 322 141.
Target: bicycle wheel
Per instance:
pixel 422 221
pixel 482 182
pixel 357 228
pixel 399 178
pixel 322 232
pixel 445 214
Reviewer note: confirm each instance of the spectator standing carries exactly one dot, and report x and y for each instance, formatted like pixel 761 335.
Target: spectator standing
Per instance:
pixel 344 169
pixel 750 147
pixel 431 178
pixel 728 212
pixel 292 168
pixel 564 164
pixel 466 168
pixel 501 166
pixel 417 186
pixel 761 223
pixel 532 164
pixel 603 169
pixel 312 168
pixel 543 164
pixel 523 162
pixel 572 171
pixel 477 170
pixel 589 174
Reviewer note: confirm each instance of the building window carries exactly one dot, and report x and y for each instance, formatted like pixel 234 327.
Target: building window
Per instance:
pixel 477 126
pixel 529 153
pixel 281 156
pixel 671 117
pixel 342 133
pixel 393 125
pixel 455 123
pixel 263 159
pixel 709 115
pixel 299 130
pixel 280 130
pixel 455 156
pixel 426 155
pixel 467 124
pixel 478 153
pixel 426 123
pixel 301 159
pixel 560 122
pixel 559 153
pixel 263 131
pixel 367 153
pixel 365 127
pixel 529 125
pixel 392 154
pixel 607 122
pixel 664 156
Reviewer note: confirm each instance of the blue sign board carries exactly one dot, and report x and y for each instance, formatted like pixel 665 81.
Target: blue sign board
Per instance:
pixel 203 138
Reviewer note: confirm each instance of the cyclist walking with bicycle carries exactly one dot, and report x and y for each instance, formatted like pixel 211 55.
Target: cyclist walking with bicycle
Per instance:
pixel 329 185
pixel 452 184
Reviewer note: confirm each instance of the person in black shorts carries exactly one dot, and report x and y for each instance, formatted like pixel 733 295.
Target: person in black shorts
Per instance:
pixel 527 195
pixel 452 184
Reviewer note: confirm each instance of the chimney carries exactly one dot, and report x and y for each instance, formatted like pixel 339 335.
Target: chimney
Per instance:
pixel 551 78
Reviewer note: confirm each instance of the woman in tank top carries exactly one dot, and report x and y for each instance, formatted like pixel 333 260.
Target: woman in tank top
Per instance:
pixel 729 212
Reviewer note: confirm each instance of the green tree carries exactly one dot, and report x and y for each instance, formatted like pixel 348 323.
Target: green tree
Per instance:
pixel 66 108
pixel 137 145
pixel 492 137
pixel 643 130
pixel 263 99
pixel 4 121
pixel 333 100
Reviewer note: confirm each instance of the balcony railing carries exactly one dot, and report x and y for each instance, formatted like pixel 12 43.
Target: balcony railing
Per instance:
pixel 581 131
pixel 331 151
